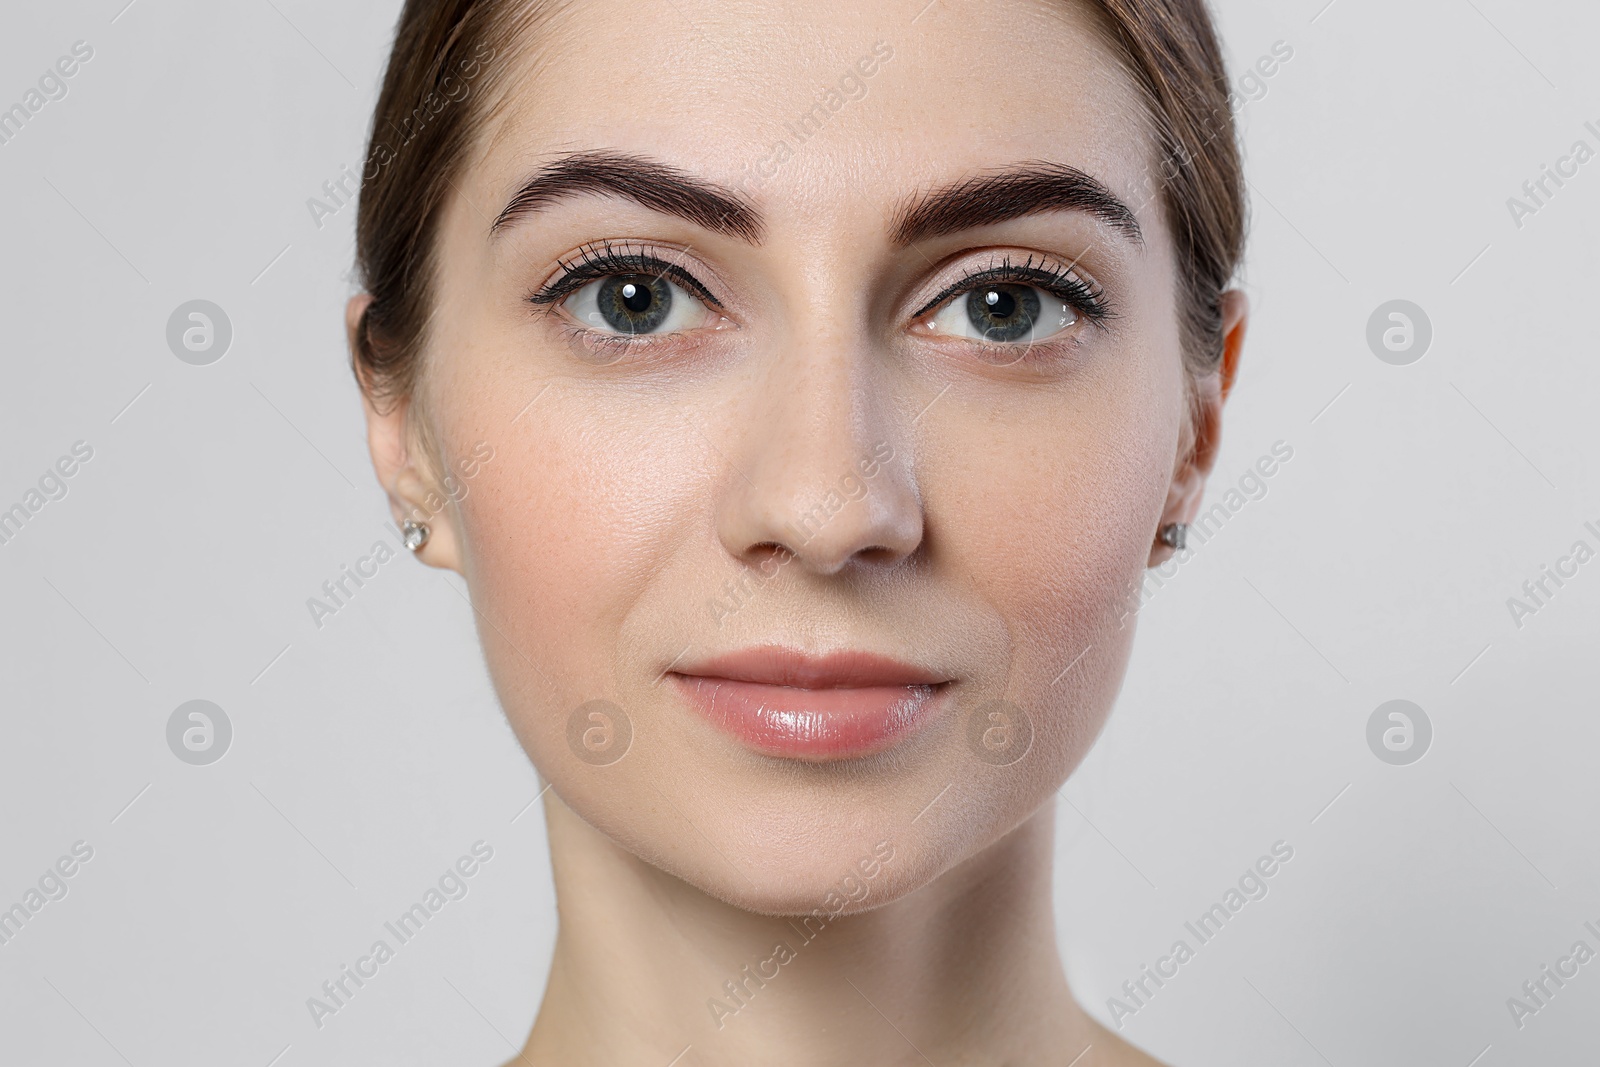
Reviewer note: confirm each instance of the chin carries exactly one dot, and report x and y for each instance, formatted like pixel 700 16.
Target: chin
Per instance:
pixel 815 841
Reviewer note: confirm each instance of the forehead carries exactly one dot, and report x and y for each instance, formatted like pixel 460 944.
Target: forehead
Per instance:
pixel 822 104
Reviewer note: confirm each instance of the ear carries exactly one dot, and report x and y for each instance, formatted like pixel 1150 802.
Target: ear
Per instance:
pixel 402 468
pixel 1205 437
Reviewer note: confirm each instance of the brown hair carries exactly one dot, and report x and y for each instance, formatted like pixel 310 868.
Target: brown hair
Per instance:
pixel 1168 46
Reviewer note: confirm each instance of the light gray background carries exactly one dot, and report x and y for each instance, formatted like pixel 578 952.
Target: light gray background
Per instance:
pixel 369 754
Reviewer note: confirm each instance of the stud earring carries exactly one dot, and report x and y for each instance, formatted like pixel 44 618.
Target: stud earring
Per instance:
pixel 1175 534
pixel 414 534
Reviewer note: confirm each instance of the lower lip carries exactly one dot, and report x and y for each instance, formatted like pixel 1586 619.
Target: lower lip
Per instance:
pixel 815 724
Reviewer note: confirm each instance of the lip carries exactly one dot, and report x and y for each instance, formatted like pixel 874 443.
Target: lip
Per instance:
pixel 784 702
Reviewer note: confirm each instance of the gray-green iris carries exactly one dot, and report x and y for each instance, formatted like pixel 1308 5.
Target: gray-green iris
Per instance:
pixel 634 303
pixel 1003 312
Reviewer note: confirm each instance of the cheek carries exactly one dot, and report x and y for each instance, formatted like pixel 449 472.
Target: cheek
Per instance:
pixel 1052 518
pixel 561 539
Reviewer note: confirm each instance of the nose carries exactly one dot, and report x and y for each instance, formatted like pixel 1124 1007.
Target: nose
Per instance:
pixel 825 472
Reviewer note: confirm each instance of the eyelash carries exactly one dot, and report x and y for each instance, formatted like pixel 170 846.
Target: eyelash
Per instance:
pixel 1084 297
pixel 594 262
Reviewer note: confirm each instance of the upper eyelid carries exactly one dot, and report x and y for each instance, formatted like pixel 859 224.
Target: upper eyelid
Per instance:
pixel 573 268
pixel 973 276
pixel 580 268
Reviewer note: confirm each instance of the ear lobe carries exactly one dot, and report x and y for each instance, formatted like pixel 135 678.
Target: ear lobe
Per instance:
pixel 404 479
pixel 1211 392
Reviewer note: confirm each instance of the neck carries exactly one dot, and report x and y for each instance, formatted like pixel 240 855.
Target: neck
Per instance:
pixel 646 966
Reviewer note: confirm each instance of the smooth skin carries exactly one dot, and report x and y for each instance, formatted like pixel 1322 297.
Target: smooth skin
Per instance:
pixel 629 485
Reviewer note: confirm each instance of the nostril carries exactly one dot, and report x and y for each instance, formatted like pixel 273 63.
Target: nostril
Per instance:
pixel 827 522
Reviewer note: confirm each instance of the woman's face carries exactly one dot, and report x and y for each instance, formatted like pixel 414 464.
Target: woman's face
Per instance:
pixel 807 391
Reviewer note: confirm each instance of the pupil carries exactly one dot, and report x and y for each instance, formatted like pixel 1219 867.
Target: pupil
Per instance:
pixel 1003 312
pixel 634 298
pixel 634 303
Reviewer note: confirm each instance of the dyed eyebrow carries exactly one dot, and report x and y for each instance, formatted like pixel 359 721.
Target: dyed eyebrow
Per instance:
pixel 644 181
pixel 1014 192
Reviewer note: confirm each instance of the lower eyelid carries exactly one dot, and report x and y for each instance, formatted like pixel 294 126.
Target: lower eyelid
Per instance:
pixel 614 347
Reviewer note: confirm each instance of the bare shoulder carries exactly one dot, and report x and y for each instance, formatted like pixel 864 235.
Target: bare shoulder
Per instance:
pixel 1109 1050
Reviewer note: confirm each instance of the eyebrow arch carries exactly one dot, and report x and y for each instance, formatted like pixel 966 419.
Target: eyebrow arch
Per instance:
pixel 645 181
pixel 1022 189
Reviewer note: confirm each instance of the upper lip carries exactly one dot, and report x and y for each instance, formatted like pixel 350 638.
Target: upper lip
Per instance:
pixel 778 665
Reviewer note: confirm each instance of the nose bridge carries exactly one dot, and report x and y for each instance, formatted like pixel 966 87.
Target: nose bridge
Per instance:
pixel 824 472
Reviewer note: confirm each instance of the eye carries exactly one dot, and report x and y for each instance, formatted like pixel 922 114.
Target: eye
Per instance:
pixel 1004 313
pixel 633 304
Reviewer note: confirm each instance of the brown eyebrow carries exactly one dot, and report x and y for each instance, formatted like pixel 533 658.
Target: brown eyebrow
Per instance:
pixel 645 181
pixel 1014 192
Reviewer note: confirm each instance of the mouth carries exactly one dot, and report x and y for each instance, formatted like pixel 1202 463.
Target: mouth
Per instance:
pixel 783 702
